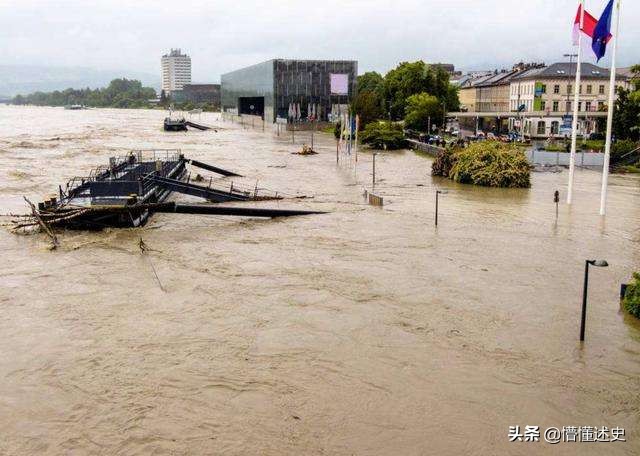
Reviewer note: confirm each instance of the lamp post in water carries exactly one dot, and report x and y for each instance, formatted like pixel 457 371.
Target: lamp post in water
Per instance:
pixel 438 192
pixel 587 263
pixel 373 175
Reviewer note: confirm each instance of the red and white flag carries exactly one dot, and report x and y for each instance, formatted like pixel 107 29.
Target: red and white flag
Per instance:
pixel 588 24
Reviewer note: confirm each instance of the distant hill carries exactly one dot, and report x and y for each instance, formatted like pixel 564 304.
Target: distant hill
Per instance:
pixel 25 79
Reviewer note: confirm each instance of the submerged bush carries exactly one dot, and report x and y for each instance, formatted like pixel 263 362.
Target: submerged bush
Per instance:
pixel 631 299
pixel 443 163
pixel 379 135
pixel 487 163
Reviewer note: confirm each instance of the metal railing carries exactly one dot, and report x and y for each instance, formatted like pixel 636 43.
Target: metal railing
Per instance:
pixel 117 169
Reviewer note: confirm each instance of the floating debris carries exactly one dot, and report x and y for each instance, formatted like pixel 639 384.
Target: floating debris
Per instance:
pixel 306 150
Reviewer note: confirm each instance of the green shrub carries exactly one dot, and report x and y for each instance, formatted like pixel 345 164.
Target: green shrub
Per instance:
pixel 555 147
pixel 619 148
pixel 591 144
pixel 379 135
pixel 631 301
pixel 487 163
pixel 632 169
pixel 443 163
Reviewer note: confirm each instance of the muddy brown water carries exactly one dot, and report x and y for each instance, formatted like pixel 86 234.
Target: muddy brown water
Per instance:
pixel 362 331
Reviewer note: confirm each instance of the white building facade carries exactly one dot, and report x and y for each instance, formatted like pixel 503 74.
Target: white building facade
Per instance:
pixel 176 71
pixel 546 96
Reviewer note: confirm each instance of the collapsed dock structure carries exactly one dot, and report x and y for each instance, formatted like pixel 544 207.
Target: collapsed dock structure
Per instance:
pixel 133 187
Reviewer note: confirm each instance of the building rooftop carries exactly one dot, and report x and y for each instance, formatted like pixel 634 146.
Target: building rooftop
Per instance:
pixel 175 53
pixel 624 72
pixel 565 70
pixel 289 61
pixel 503 77
pixel 473 82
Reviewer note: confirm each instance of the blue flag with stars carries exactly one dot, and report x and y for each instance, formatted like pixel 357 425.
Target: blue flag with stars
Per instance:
pixel 602 31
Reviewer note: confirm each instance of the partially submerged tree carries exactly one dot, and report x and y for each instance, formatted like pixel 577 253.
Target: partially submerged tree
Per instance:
pixel 486 163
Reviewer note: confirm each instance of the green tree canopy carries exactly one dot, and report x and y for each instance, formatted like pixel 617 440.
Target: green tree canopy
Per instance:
pixel 368 105
pixel 383 135
pixel 635 77
pixel 420 108
pixel 371 81
pixel 416 77
pixel 626 116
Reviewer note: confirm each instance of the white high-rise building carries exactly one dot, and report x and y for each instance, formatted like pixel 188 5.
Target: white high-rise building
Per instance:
pixel 176 71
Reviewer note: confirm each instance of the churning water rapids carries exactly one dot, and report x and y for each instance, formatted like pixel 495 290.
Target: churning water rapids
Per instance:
pixel 363 331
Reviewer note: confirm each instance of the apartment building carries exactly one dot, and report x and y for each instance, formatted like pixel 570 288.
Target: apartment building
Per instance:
pixel 176 71
pixel 546 96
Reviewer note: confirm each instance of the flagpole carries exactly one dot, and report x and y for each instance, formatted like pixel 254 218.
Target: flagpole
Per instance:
pixel 357 127
pixel 576 101
pixel 612 91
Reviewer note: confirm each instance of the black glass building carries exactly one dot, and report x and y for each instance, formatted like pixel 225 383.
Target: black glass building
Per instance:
pixel 269 89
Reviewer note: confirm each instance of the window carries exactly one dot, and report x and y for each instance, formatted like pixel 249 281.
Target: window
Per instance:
pixel 568 103
pixel 580 90
pixel 601 106
pixel 556 104
pixel 579 106
pixel 556 88
pixel 541 127
pixel 543 89
pixel 569 88
pixel 589 88
pixel 587 106
pixel 543 105
pixel 555 127
pixel 601 89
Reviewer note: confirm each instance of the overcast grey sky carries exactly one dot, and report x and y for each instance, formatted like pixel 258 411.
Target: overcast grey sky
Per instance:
pixel 223 35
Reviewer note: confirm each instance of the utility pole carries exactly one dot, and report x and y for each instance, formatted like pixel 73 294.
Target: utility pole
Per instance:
pixel 444 117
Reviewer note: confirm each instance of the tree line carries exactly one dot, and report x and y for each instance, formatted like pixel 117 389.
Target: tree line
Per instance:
pixel 626 115
pixel 120 93
pixel 414 92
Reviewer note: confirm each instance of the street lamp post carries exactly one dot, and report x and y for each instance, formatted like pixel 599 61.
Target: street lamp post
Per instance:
pixel 373 175
pixel 571 56
pixel 444 117
pixel 587 263
pixel 438 192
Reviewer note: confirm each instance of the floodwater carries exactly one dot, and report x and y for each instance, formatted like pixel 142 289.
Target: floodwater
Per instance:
pixel 363 331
